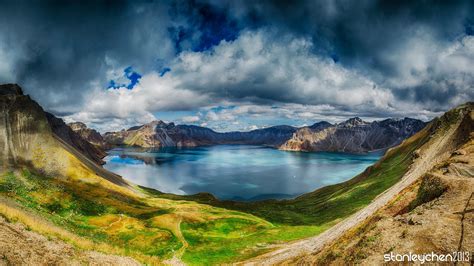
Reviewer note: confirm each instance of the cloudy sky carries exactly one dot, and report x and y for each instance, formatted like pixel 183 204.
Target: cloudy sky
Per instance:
pixel 239 65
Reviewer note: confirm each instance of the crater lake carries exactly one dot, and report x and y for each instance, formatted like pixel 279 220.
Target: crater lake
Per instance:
pixel 236 172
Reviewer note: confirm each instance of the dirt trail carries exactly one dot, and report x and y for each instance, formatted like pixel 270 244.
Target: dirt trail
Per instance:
pixel 427 160
pixel 176 229
pixel 463 216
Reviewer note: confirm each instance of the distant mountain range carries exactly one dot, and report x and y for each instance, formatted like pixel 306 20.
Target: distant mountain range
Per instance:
pixel 353 135
pixel 161 134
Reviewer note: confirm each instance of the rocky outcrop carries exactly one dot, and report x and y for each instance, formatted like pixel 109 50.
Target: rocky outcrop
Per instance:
pixel 34 139
pixel 89 134
pixel 23 127
pixel 141 136
pixel 353 135
pixel 63 131
pixel 160 134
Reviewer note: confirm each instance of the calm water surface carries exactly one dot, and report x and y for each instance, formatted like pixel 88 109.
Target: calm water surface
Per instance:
pixel 239 172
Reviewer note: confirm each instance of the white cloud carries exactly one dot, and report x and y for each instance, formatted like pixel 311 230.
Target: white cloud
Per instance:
pixel 252 127
pixel 261 70
pixel 263 65
pixel 151 94
pixel 430 72
pixel 190 119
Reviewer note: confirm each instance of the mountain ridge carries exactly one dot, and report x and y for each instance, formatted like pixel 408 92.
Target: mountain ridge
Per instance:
pixel 157 134
pixel 353 135
pixel 38 140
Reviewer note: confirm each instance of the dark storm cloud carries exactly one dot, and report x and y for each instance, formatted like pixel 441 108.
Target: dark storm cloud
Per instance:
pixel 57 49
pixel 355 30
pixel 371 57
pixel 365 34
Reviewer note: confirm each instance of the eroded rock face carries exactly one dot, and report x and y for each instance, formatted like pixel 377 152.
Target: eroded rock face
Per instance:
pixel 27 133
pixel 23 125
pixel 10 89
pixel 63 131
pixel 353 135
pixel 89 134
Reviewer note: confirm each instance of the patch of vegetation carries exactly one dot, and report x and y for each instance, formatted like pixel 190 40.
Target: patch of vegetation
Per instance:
pixel 101 219
pixel 10 184
pixel 431 188
pixel 229 240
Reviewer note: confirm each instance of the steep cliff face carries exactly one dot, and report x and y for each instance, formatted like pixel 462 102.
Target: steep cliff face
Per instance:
pixel 65 132
pixel 23 127
pixel 89 134
pixel 34 139
pixel 160 134
pixel 151 135
pixel 353 135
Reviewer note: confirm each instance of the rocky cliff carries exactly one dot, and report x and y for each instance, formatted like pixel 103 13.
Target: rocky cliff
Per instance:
pixel 23 127
pixel 63 131
pixel 90 135
pixel 35 139
pixel 353 135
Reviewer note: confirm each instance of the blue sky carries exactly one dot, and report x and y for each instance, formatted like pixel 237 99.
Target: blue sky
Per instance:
pixel 239 65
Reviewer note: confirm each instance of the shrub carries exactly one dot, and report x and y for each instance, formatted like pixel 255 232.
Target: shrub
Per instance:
pixel 431 188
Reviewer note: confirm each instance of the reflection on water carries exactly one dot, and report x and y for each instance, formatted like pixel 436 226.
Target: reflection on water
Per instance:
pixel 239 172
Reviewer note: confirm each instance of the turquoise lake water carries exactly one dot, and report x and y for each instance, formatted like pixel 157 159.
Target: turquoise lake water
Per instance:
pixel 238 172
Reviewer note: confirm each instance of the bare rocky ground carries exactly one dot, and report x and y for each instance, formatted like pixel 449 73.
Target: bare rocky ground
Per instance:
pixel 443 225
pixel 19 246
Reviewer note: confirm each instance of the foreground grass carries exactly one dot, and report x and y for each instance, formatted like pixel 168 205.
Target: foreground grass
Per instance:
pixel 210 243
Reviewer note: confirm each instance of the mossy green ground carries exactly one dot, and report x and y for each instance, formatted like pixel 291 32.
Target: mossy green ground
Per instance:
pixel 201 229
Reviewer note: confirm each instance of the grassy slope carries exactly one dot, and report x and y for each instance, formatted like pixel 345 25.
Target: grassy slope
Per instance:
pixel 157 225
